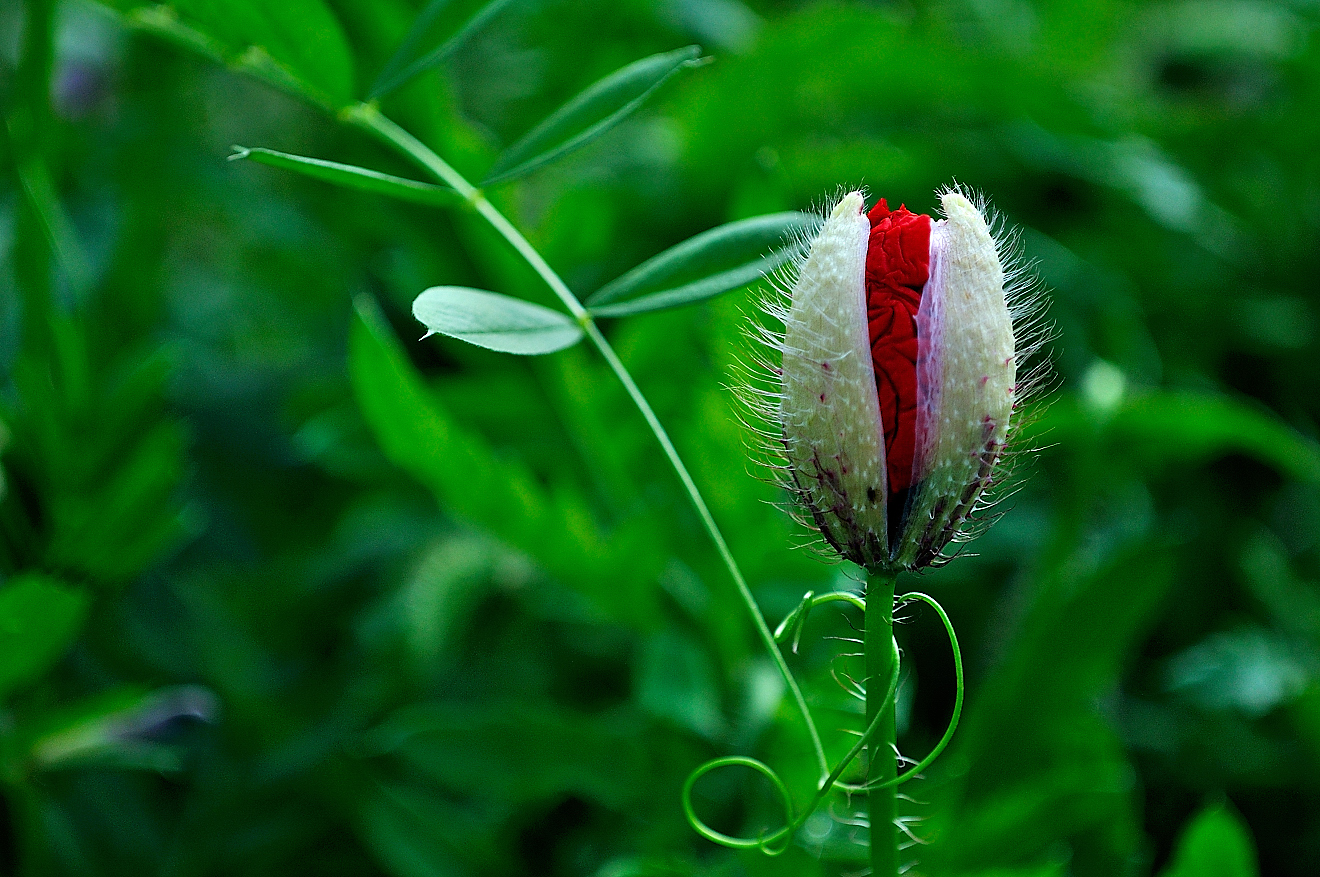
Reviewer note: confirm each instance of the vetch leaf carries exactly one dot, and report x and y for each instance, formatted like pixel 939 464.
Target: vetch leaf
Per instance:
pixel 353 177
pixel 494 321
pixel 431 39
pixel 712 263
pixel 39 619
pixel 593 112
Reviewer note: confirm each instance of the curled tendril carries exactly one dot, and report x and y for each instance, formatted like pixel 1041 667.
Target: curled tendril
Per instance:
pixel 767 843
pixel 764 844
pixel 776 842
pixel 797 619
pixel 957 701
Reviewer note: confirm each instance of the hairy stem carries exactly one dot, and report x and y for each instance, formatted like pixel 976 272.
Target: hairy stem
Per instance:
pixel 369 118
pixel 881 658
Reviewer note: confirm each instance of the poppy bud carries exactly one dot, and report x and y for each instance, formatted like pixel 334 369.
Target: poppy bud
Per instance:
pixel 899 378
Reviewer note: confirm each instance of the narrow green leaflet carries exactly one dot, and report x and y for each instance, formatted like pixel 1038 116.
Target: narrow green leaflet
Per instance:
pixel 435 35
pixel 593 112
pixel 494 321
pixel 353 177
pixel 1215 844
pixel 39 619
pixel 714 262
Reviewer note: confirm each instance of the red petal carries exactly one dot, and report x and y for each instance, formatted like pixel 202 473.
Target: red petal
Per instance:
pixel 897 268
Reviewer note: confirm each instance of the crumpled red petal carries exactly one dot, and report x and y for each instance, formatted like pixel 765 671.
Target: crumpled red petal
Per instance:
pixel 897 268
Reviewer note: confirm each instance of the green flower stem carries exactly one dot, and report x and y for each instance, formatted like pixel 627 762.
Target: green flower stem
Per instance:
pixel 368 117
pixel 881 658
pixel 959 689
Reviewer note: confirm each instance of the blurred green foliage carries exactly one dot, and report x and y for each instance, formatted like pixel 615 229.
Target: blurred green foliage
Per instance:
pixel 287 592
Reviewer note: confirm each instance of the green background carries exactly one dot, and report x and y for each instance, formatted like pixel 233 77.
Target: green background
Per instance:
pixel 287 592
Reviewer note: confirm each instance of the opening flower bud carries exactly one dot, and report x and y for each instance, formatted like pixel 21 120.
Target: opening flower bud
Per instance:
pixel 899 377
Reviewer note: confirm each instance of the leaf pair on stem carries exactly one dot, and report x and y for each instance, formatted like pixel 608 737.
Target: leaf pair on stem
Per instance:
pixel 714 262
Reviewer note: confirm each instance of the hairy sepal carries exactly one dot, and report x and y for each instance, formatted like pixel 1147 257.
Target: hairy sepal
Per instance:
pixel 832 432
pixel 966 380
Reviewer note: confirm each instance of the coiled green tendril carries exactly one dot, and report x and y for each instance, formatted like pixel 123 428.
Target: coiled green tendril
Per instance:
pixel 777 842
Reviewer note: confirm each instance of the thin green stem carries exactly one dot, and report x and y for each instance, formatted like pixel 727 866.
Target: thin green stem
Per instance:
pixel 881 663
pixel 839 597
pixel 762 629
pixel 368 117
pixel 873 728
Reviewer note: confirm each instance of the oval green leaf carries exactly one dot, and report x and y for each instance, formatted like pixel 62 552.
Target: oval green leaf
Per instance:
pixel 353 177
pixel 494 321
pixel 593 112
pixel 714 262
pixel 439 29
